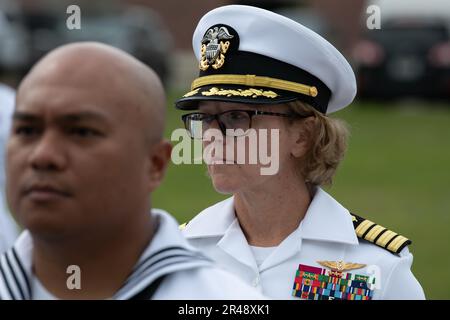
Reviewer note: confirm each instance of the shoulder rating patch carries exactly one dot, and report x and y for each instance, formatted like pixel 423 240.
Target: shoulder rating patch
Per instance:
pixel 379 235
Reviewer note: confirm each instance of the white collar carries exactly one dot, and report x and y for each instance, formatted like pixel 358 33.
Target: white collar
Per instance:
pixel 168 252
pixel 325 220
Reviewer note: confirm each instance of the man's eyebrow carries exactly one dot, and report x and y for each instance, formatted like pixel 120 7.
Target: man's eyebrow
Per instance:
pixel 83 115
pixel 69 117
pixel 24 116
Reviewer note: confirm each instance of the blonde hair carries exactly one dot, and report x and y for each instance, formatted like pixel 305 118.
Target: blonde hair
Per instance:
pixel 327 147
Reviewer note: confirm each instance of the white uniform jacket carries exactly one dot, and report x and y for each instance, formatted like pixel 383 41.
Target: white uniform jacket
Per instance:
pixel 326 233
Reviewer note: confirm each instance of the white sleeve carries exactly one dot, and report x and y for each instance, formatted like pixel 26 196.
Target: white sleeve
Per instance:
pixel 401 283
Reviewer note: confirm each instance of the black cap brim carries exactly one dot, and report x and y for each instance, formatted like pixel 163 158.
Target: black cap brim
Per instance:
pixel 236 94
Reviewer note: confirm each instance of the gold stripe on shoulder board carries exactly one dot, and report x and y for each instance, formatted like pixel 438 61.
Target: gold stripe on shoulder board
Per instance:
pixel 379 235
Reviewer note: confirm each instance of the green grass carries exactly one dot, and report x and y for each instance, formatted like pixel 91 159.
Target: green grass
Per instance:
pixel 395 173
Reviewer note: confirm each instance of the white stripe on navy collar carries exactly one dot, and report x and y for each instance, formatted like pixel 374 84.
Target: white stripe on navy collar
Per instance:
pixel 168 252
pixel 14 282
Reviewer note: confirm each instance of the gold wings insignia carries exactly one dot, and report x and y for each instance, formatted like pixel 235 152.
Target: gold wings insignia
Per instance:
pixel 341 266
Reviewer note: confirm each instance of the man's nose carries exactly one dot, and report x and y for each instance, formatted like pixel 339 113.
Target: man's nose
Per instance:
pixel 49 153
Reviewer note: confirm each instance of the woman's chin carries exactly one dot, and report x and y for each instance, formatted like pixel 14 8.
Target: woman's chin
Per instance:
pixel 223 183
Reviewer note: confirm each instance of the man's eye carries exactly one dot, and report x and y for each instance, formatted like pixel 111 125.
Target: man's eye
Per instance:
pixel 26 131
pixel 83 132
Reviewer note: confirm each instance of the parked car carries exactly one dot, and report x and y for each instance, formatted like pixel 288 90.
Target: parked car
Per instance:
pixel 134 29
pixel 13 45
pixel 137 30
pixel 408 56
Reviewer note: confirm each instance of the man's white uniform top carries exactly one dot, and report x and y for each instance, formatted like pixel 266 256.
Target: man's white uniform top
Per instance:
pixel 8 228
pixel 181 271
pixel 326 233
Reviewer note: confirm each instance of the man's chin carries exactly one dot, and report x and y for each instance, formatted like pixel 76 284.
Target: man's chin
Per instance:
pixel 44 224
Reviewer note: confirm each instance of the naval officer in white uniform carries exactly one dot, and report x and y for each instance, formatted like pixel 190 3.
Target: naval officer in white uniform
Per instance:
pixel 282 233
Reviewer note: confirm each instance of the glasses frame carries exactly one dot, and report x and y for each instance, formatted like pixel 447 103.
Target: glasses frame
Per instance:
pixel 250 113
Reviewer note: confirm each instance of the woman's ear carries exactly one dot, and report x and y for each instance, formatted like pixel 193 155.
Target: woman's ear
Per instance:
pixel 302 132
pixel 159 160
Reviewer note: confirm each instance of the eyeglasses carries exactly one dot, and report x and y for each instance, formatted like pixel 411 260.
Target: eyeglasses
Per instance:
pixel 238 122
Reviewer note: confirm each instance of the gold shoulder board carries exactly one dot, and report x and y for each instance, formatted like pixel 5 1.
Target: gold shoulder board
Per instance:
pixel 379 235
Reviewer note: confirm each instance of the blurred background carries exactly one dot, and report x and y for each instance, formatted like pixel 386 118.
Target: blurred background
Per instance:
pixel 396 171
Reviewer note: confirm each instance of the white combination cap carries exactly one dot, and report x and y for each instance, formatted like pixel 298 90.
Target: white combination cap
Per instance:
pixel 251 55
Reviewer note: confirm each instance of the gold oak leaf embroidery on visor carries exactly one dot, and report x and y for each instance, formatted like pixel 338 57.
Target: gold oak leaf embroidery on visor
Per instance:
pixel 254 93
pixel 191 93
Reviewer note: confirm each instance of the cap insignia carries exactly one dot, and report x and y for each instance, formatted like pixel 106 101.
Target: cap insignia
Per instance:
pixel 214 47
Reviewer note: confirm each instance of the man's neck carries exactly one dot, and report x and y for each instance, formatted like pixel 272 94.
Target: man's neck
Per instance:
pixel 270 214
pixel 104 262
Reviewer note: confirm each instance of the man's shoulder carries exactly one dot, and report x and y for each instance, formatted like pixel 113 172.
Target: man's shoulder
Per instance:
pixel 206 283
